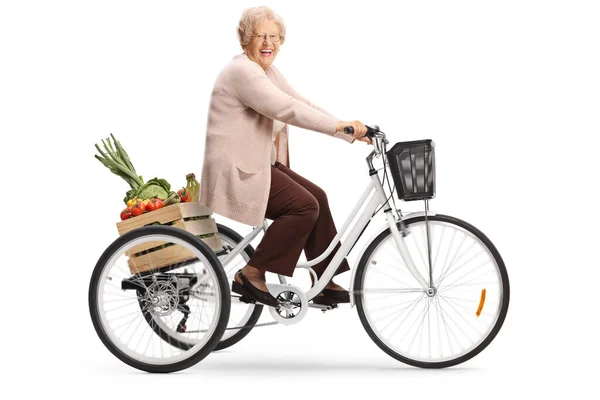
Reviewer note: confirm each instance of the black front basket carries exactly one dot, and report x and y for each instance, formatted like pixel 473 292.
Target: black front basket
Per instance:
pixel 413 169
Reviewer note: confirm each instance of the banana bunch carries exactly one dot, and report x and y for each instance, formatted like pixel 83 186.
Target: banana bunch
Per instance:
pixel 193 187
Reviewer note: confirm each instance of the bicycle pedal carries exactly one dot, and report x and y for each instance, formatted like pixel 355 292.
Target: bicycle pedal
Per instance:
pixel 323 307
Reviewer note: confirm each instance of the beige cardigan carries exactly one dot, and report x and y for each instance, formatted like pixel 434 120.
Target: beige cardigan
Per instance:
pixel 236 173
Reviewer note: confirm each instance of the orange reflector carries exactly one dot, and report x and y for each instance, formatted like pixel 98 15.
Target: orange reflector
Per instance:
pixel 481 301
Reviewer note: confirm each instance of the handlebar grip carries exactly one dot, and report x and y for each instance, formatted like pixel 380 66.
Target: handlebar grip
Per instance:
pixel 370 131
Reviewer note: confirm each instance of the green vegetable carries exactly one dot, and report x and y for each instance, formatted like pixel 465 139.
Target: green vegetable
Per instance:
pixel 130 195
pixel 154 188
pixel 118 162
pixel 115 158
pixel 173 198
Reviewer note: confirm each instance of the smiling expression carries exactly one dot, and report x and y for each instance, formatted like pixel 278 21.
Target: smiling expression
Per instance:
pixel 263 52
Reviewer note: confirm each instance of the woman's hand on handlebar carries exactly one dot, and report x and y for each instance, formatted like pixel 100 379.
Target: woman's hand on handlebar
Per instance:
pixel 360 130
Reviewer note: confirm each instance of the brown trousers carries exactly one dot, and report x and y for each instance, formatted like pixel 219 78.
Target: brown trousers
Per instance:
pixel 301 221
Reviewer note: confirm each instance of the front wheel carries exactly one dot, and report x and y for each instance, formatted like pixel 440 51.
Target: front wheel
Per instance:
pixel 444 325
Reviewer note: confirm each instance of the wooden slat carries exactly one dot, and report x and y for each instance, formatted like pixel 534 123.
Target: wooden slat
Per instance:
pixel 214 243
pixel 164 215
pixel 159 258
pixel 199 227
pixel 166 256
pixel 143 246
pixel 169 255
pixel 193 209
pixel 202 227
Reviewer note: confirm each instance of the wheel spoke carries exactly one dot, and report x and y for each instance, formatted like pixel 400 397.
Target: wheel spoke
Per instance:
pixel 389 291
pixel 448 252
pixel 399 320
pixel 458 328
pixel 449 264
pixel 449 331
pixel 374 310
pixel 401 311
pixel 384 273
pixel 419 325
pixel 107 310
pixel 476 268
pixel 460 267
pixel 133 331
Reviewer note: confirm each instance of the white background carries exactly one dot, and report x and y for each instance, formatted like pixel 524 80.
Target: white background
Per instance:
pixel 508 90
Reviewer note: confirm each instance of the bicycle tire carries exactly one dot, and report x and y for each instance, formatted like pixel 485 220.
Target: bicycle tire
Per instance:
pixel 362 268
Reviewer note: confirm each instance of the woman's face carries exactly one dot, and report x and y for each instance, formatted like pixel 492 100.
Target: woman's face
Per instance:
pixel 260 51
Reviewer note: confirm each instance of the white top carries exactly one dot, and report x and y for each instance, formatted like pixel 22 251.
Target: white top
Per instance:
pixel 277 127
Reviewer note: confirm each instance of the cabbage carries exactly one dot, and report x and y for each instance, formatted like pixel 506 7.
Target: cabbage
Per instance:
pixel 154 188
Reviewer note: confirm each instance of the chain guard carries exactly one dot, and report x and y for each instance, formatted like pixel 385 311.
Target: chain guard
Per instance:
pixel 294 303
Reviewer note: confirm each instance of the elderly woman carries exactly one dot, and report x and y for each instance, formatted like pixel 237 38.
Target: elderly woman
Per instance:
pixel 246 173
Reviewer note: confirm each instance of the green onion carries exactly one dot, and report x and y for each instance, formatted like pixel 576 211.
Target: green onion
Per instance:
pixel 117 161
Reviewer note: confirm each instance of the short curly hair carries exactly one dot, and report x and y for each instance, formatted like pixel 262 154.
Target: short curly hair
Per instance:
pixel 254 16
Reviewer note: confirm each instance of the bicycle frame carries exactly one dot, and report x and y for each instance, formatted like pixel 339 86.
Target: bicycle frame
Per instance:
pixel 375 191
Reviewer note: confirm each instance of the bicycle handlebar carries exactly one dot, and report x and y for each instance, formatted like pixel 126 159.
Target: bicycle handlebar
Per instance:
pixel 378 139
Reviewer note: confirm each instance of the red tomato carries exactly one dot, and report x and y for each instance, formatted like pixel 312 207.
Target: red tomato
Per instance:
pixel 125 214
pixel 150 206
pixel 154 204
pixel 138 208
pixel 184 195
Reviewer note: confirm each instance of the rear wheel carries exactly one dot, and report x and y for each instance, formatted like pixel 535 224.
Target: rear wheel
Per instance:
pixel 179 269
pixel 441 326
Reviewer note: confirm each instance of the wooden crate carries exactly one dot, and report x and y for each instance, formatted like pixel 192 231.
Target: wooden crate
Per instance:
pixel 192 217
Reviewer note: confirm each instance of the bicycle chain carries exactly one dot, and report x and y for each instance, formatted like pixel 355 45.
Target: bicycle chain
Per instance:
pixel 239 327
